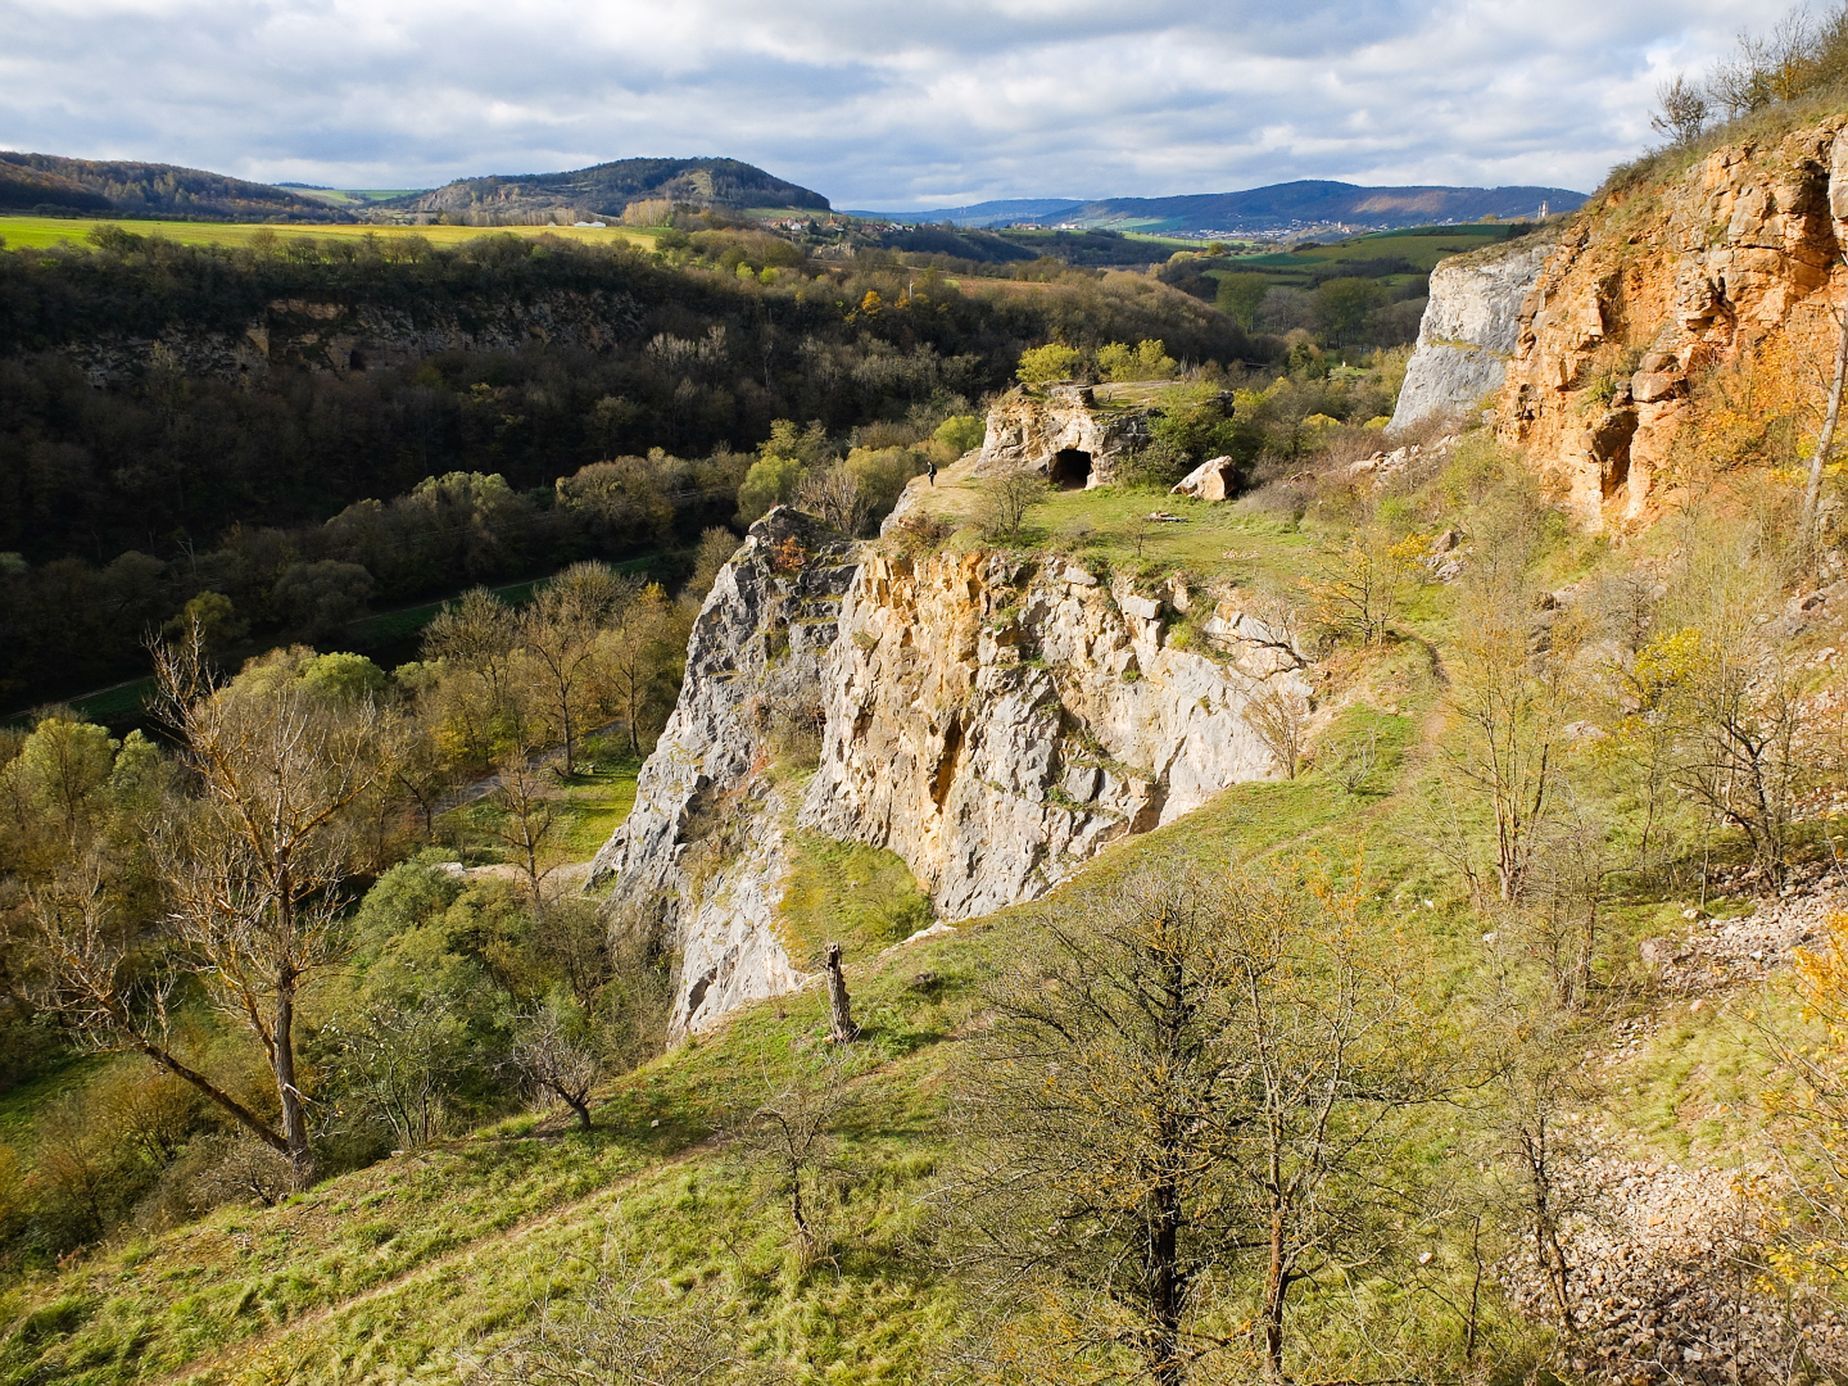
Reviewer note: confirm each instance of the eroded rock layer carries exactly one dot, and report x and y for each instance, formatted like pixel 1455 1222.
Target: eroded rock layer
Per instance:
pixel 992 721
pixel 995 724
pixel 1654 285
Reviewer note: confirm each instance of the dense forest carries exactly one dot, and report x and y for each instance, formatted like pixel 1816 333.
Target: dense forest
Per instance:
pixel 144 460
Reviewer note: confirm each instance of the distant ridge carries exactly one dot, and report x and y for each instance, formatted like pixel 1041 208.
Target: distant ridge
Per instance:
pixel 1274 207
pixel 603 190
pixel 52 183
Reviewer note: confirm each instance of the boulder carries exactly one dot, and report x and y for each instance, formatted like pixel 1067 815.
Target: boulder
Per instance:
pixel 1215 479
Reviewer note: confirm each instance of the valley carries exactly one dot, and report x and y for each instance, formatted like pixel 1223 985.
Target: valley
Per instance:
pixel 749 795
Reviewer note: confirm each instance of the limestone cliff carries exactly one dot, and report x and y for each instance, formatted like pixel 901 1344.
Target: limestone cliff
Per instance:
pixel 1650 287
pixel 995 723
pixel 1062 432
pixel 992 720
pixel 1470 327
pixel 700 857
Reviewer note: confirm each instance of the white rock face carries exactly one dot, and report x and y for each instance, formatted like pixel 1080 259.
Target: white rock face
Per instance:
pixel 1028 430
pixel 1469 329
pixel 996 726
pixel 992 722
pixel 700 857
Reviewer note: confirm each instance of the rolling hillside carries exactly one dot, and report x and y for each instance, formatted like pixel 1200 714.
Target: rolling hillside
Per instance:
pixel 1276 207
pixel 52 183
pixel 603 190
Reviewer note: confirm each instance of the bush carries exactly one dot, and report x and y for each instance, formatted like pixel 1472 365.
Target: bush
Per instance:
pixel 1041 365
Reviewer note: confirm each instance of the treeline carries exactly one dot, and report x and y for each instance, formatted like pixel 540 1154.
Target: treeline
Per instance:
pixel 178 456
pixel 69 624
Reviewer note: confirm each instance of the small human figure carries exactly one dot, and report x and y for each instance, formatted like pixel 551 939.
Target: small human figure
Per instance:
pixel 930 470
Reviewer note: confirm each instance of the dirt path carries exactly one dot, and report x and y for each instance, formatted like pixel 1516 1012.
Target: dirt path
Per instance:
pixel 243 1350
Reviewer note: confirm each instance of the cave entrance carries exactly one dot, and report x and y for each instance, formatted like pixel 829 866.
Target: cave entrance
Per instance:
pixel 1070 469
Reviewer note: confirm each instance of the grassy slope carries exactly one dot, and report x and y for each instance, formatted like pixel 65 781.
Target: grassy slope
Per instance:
pixel 405 1270
pixel 21 233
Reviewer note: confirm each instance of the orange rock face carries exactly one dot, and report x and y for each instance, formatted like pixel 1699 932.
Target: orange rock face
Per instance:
pixel 1651 286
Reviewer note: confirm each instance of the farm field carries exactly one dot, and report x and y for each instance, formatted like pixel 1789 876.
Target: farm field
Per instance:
pixel 38 233
pixel 1420 247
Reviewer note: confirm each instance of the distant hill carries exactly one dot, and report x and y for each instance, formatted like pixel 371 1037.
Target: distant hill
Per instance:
pixel 1276 207
pixel 603 190
pixel 49 182
pixel 1005 212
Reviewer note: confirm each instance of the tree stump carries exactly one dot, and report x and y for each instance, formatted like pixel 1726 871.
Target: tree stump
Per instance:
pixel 844 1031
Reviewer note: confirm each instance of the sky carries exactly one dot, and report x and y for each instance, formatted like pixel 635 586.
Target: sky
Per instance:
pixel 876 104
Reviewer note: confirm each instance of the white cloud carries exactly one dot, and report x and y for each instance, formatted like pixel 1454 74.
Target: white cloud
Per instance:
pixel 870 102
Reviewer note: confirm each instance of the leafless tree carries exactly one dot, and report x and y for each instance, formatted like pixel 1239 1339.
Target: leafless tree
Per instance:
pixel 1279 714
pixel 528 798
pixel 253 865
pixel 1682 110
pixel 834 497
pixel 559 630
pixel 1191 1073
pixel 556 1048
pixel 621 1331
pixel 1005 502
pixel 793 1133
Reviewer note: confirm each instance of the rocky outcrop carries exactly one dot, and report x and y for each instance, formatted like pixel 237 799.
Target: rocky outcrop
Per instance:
pixel 344 338
pixel 1215 479
pixel 1653 286
pixel 996 724
pixel 992 721
pixel 1470 327
pixel 1062 432
pixel 700 859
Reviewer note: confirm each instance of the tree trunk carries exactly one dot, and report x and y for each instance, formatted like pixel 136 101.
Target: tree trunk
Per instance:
pixel 1825 441
pixel 1276 1286
pixel 1165 1286
pixel 844 1031
pixel 294 1110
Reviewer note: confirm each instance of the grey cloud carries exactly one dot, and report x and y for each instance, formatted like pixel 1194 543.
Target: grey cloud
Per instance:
pixel 871 102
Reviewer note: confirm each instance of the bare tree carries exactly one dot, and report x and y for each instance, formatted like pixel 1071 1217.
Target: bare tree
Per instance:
pixel 1191 1072
pixel 621 1331
pixel 1682 110
pixel 253 867
pixel 1005 502
pixel 529 800
pixel 556 1048
pixel 834 497
pixel 1279 714
pixel 559 630
pixel 793 1132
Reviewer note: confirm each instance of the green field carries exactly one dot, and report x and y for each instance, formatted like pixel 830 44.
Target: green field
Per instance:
pixel 354 197
pixel 1421 246
pixel 39 233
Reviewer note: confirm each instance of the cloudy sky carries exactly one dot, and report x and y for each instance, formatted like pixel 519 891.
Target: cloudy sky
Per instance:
pixel 875 103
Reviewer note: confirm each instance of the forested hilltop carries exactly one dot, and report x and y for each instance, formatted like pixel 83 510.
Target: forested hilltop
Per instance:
pixel 1058 827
